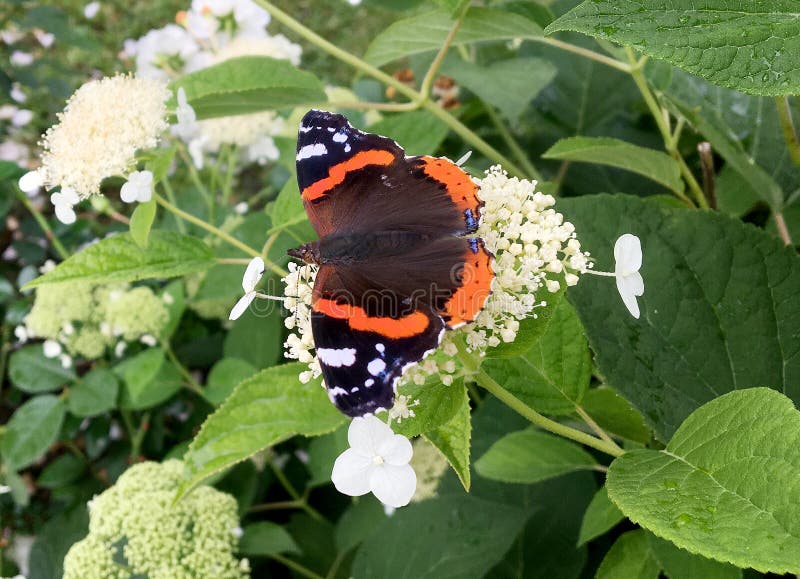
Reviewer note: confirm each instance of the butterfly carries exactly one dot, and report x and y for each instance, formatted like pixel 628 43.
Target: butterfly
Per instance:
pixel 399 259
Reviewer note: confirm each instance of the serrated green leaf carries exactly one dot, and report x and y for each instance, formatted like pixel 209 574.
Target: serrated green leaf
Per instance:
pixel 614 414
pixel 452 439
pixel 359 521
pixel 322 453
pixel 438 404
pixel 32 429
pixel 678 563
pixel 30 371
pixel 142 221
pixel 553 375
pixel 630 557
pixel 95 393
pixel 529 456
pixel 264 538
pixel 719 312
pixel 270 407
pixel 509 85
pixel 119 258
pixel 449 536
pixel 427 32
pixel 224 377
pixel 650 163
pixel 418 132
pixel 62 471
pixel 530 330
pixel 601 516
pixel 248 84
pixel 731 466
pixel 751 47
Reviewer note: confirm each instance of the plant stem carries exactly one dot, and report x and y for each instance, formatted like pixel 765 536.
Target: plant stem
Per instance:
pixel 787 125
pixel 783 230
pixel 191 382
pixel 427 81
pixel 229 174
pixel 296 567
pixel 171 196
pixel 512 143
pixel 277 505
pixel 596 56
pixel 289 487
pixel 48 232
pixel 198 182
pixel 487 382
pixel 414 96
pixel 594 426
pixel 662 121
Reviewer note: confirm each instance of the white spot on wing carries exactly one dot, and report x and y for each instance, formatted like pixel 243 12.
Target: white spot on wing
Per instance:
pixel 314 150
pixel 380 347
pixel 337 358
pixel 304 129
pixel 369 382
pixel 347 147
pixel 376 366
pixel 339 138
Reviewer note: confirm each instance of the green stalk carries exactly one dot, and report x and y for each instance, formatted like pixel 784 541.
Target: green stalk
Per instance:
pixel 48 232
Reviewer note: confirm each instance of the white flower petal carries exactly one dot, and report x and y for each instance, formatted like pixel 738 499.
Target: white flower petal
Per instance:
pixel 393 485
pixel 368 433
pixel 69 195
pixel 51 348
pixel 31 182
pixel 253 273
pixel 129 192
pixel 627 254
pixel 65 214
pixel 396 451
pixel 242 305
pixel 352 473
pixel 629 287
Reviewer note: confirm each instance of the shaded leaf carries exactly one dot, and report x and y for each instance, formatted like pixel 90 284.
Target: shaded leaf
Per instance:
pixel 30 371
pixel 601 516
pixel 95 393
pixel 265 538
pixel 630 557
pixel 418 132
pixel 32 429
pixel 614 414
pixel 224 377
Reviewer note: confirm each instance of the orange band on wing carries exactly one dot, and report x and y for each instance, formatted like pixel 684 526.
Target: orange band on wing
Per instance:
pixel 476 286
pixel 460 187
pixel 337 173
pixel 406 327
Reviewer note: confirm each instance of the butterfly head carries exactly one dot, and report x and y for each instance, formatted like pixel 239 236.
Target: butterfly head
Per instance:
pixel 308 252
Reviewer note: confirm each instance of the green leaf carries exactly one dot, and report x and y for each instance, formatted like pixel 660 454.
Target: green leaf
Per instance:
pixel 270 407
pixel 601 516
pixel 510 85
pixel 630 557
pixel 175 300
pixel 159 162
pixel 94 394
pixel 288 207
pixel 32 429
pixel 148 379
pixel 54 539
pixel 719 312
pixel 447 537
pixel 119 258
pixel 553 375
pixel 750 47
pixel 257 337
pixel 454 7
pixel 653 164
pixel 248 84
pixel 224 377
pixel 529 456
pixel 264 538
pixel 452 440
pixel 418 132
pixel 438 404
pixel 732 465
pixel 361 519
pixel 65 469
pixel 614 414
pixel 141 222
pixel 530 330
pixel 427 32
pixel 30 371
pixel 679 564
pixel 20 493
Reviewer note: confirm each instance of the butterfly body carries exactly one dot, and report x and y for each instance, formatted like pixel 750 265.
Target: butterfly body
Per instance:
pixel 399 258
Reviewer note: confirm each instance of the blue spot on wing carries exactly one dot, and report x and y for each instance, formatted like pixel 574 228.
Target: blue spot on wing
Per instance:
pixel 470 220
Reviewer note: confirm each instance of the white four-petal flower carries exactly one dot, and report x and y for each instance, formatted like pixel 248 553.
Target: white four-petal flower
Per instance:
pixel 252 275
pixel 63 203
pixel 377 462
pixel 627 262
pixel 139 187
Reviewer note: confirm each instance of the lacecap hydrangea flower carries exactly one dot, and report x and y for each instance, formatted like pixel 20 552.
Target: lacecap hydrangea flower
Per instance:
pixel 102 126
pixel 88 319
pixel 135 530
pixel 536 253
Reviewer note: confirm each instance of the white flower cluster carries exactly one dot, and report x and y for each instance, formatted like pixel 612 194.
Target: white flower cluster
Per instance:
pixel 102 126
pixel 210 32
pixel 535 250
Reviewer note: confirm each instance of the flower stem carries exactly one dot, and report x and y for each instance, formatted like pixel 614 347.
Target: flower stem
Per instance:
pixel 191 382
pixel 596 56
pixel 662 121
pixel 787 125
pixel 216 231
pixel 296 567
pixel 289 488
pixel 783 230
pixel 417 99
pixel 427 81
pixel 596 427
pixel 487 382
pixel 48 232
pixel 198 182
pixel 230 169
